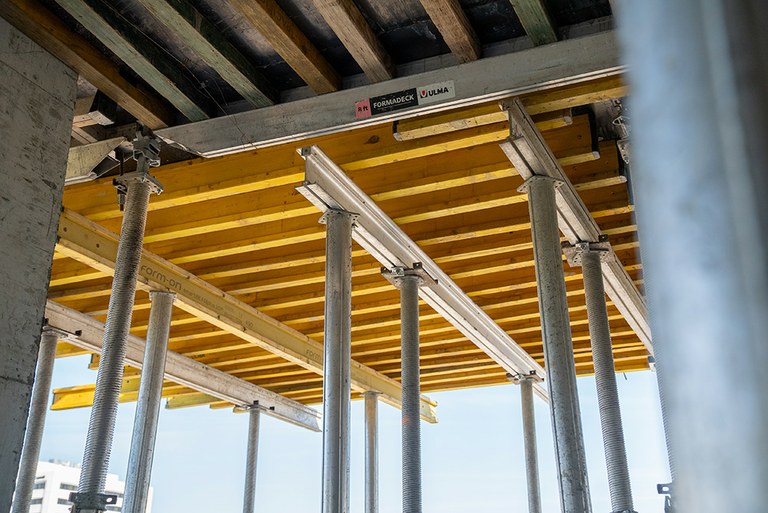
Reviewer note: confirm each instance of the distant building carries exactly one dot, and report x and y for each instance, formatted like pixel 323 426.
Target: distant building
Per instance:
pixel 55 480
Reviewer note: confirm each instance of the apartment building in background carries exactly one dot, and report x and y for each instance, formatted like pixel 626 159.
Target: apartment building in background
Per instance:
pixel 55 480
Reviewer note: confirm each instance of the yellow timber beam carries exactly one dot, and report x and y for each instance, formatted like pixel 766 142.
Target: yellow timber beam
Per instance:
pixel 86 241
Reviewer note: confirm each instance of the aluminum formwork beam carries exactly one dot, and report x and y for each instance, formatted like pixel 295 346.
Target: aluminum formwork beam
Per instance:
pixel 558 346
pixel 133 190
pixel 530 155
pixel 703 225
pixel 337 358
pixel 371 452
pixel 148 403
pixel 590 257
pixel 33 437
pixel 327 187
pixel 251 459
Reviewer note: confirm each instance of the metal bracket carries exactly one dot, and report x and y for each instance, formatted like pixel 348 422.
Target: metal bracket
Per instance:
pixel 573 252
pixel 121 182
pixel 518 378
pixel 397 273
pixel 62 334
pixel 91 501
pixel 147 145
pixel 666 489
pixel 335 211
pixel 526 184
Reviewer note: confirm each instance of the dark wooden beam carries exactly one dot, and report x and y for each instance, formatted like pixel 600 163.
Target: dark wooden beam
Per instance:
pixel 290 43
pixel 210 45
pixel 43 27
pixel 536 21
pixel 141 54
pixel 346 20
pixel 452 22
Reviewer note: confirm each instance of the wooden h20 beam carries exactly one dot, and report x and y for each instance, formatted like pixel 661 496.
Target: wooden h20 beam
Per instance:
pixel 91 244
pixel 87 334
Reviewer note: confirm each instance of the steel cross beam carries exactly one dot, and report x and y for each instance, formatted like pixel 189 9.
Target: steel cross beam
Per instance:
pixel 94 245
pixel 327 187
pixel 530 155
pixel 545 67
pixel 86 332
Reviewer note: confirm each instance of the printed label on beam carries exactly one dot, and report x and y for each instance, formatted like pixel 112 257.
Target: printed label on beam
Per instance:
pixel 421 95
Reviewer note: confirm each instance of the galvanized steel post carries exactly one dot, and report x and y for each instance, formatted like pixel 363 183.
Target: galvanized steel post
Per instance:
pixel 251 459
pixel 526 382
pixel 590 256
pixel 136 187
pixel 558 346
pixel 371 452
pixel 337 356
pixel 148 403
pixel 411 390
pixel 33 437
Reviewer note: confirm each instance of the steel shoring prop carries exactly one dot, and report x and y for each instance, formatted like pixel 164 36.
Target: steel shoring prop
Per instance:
pixel 134 190
pixel 526 382
pixel 590 255
pixel 251 458
pixel 33 437
pixel 665 488
pixel 148 403
pixel 558 346
pixel 408 280
pixel 371 452
pixel 337 358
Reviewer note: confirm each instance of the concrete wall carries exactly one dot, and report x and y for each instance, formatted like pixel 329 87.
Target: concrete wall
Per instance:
pixel 37 94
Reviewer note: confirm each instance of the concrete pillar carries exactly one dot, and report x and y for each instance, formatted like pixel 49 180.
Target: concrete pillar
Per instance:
pixel 371 452
pixel 337 360
pixel 558 346
pixel 37 94
pixel 148 403
pixel 698 72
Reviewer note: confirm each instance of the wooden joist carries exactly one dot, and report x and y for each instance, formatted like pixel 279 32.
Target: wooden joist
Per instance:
pixel 290 43
pixel 349 25
pixel 453 25
pixel 535 20
pixel 141 54
pixel 43 27
pixel 210 45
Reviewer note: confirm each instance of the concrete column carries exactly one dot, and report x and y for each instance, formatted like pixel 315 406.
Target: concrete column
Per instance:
pixel 558 347
pixel 98 445
pixel 36 423
pixel 698 72
pixel 371 452
pixel 590 256
pixel 37 94
pixel 251 460
pixel 148 403
pixel 337 356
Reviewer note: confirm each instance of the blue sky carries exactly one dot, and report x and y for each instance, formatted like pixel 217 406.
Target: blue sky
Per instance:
pixel 472 459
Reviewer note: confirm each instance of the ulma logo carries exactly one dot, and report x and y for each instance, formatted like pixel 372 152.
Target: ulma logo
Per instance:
pixel 426 93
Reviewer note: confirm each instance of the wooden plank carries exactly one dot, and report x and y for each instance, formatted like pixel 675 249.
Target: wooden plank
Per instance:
pixel 210 45
pixel 93 245
pixel 536 21
pixel 349 25
pixel 141 54
pixel 43 27
pixel 290 43
pixel 537 104
pixel 453 25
